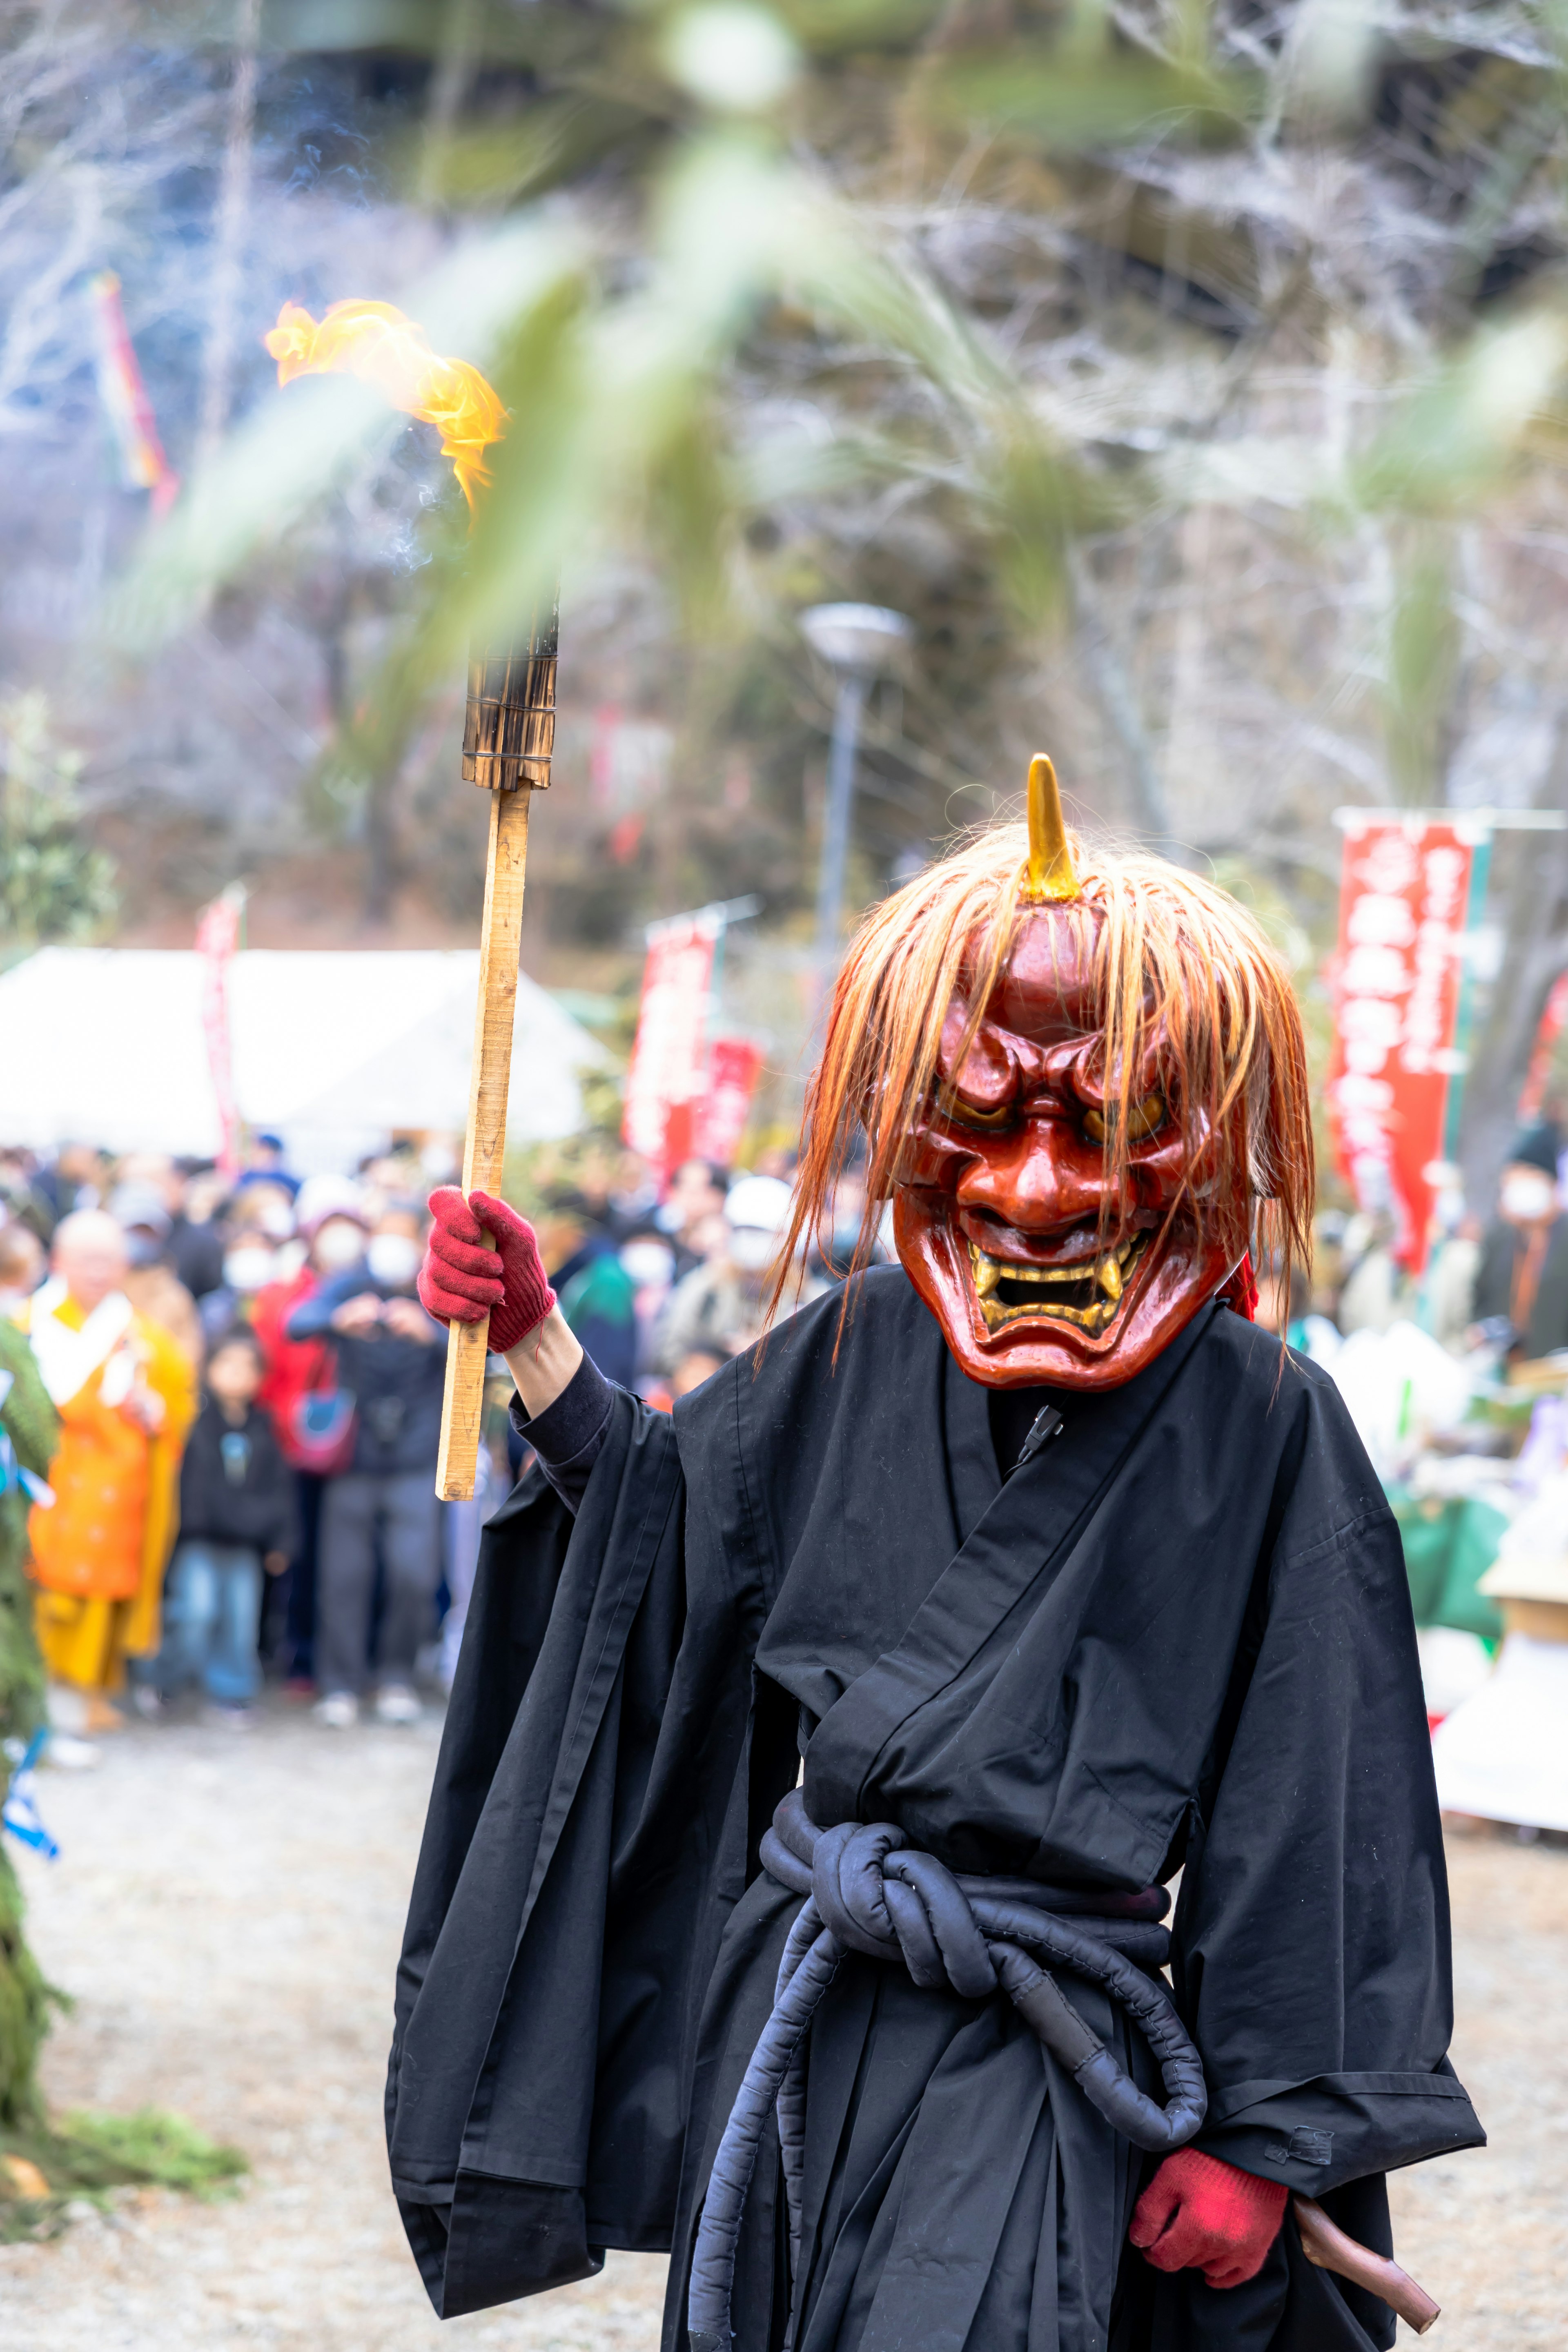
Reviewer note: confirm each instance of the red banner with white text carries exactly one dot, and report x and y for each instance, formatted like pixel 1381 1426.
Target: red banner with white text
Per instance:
pixel 669 1075
pixel 1404 902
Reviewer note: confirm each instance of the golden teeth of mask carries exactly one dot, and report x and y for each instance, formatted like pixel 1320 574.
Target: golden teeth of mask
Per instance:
pixel 1109 1272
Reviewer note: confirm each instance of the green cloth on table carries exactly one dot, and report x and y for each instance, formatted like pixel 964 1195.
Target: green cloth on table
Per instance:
pixel 1448 1548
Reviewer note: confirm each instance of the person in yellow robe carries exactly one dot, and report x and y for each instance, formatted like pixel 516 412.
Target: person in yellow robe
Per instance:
pixel 125 1393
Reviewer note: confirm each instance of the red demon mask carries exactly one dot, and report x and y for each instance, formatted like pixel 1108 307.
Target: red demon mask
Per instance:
pixel 1039 1265
pixel 1115 1103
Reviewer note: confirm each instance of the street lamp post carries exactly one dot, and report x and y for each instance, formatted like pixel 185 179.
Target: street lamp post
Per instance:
pixel 861 643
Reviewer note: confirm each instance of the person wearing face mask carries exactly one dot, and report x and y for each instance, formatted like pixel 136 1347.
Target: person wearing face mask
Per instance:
pixel 1522 1279
pixel 718 1308
pixel 392 1360
pixel 151 1286
pixel 261 1248
pixel 312 1411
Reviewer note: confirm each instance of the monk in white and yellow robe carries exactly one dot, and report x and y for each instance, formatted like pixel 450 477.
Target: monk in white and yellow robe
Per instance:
pixel 125 1393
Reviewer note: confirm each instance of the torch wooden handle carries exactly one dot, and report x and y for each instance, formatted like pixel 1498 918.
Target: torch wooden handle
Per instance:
pixel 484 1153
pixel 1327 2245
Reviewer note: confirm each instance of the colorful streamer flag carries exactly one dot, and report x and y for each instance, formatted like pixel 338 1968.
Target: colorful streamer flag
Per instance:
pixel 1404 911
pixel 217 937
pixel 142 464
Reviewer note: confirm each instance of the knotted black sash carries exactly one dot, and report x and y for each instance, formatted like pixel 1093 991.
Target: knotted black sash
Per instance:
pixel 866 1891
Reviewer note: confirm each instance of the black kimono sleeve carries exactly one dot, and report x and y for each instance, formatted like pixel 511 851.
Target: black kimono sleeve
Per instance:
pixel 565 1912
pixel 1311 1935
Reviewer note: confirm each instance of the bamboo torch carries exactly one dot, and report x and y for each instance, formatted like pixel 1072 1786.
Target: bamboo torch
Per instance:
pixel 509 735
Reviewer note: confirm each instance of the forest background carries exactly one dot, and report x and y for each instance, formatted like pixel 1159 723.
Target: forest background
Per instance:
pixel 1195 378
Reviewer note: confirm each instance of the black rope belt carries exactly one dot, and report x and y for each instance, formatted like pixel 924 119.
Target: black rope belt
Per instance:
pixel 867 1892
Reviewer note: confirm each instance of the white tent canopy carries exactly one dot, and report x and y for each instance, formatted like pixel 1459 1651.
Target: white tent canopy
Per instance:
pixel 332 1049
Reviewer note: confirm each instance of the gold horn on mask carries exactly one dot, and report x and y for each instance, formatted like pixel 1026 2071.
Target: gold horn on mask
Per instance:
pixel 1051 875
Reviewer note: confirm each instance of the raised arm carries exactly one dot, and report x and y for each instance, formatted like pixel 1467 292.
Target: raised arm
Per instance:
pixel 461 1281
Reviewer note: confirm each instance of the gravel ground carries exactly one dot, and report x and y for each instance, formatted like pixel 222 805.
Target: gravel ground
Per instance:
pixel 227 1913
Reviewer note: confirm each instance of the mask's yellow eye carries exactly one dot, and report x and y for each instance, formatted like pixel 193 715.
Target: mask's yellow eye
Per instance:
pixel 967 1113
pixel 1142 1119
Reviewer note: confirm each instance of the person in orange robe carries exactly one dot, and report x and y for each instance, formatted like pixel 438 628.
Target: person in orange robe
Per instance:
pixel 125 1392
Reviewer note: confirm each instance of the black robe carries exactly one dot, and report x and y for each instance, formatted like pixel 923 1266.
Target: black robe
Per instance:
pixel 1179 1635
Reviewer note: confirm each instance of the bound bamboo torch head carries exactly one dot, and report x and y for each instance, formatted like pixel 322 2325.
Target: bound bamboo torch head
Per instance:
pixel 509 730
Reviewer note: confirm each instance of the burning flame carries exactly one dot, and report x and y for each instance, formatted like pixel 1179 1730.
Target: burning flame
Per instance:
pixel 380 346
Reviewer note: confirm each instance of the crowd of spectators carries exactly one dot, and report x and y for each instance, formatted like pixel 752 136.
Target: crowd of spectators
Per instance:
pixel 250 1389
pixel 251 1398
pixel 1497 1285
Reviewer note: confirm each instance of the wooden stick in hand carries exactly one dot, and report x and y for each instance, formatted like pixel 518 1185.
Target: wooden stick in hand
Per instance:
pixel 1331 2250
pixel 484 1153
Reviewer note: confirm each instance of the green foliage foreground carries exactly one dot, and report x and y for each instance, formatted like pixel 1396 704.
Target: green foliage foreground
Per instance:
pixel 54 885
pixel 46 2166
pixel 44 2171
pixel 49 2164
pixel 25 1999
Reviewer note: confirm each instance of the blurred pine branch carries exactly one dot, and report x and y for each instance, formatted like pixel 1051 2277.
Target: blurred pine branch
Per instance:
pixel 1193 375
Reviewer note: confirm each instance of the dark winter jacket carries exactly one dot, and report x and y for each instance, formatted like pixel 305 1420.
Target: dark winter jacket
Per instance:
pixel 396 1383
pixel 235 1486
pixel 197 1254
pixel 1545 1326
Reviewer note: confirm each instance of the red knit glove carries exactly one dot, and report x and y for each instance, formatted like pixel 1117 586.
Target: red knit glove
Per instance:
pixel 461 1281
pixel 1201 2214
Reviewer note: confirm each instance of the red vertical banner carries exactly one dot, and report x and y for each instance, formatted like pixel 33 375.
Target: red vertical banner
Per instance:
pixel 734 1067
pixel 1554 1021
pixel 668 1076
pixel 217 937
pixel 1404 900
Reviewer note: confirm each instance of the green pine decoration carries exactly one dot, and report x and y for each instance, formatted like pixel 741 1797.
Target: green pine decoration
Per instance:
pixel 30 1421
pixel 45 2164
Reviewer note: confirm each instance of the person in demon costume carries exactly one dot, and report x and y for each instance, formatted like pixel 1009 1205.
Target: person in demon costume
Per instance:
pixel 818 1758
